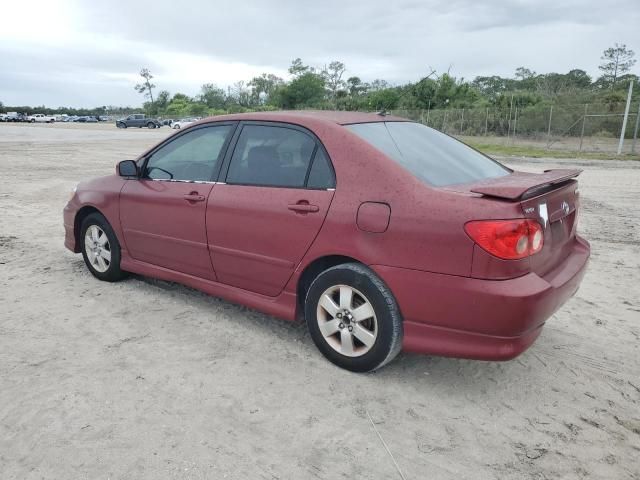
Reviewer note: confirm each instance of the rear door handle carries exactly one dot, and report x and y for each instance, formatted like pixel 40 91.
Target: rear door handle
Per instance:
pixel 304 208
pixel 194 197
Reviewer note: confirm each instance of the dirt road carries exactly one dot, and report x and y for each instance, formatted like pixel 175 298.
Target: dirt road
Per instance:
pixel 150 380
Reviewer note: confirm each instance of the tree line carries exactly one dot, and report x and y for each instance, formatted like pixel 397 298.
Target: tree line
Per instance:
pixel 330 87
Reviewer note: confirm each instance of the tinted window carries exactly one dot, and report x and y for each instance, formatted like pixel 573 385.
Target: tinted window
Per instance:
pixel 432 156
pixel 193 156
pixel 321 174
pixel 271 156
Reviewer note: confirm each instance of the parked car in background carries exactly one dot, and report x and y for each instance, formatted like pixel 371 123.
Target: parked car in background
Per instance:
pixel 86 119
pixel 138 120
pixel 41 118
pixel 384 234
pixel 183 123
pixel 3 117
pixel 15 117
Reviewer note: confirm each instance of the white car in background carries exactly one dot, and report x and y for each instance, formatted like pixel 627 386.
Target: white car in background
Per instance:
pixel 183 123
pixel 41 118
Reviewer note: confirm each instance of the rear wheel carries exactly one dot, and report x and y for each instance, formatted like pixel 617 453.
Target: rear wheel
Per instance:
pixel 100 248
pixel 151 125
pixel 353 318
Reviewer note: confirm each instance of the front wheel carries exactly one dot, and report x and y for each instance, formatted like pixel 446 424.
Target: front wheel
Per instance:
pixel 353 318
pixel 121 125
pixel 176 127
pixel 100 248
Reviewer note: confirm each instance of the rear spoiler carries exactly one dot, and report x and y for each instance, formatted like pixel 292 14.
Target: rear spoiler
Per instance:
pixel 522 184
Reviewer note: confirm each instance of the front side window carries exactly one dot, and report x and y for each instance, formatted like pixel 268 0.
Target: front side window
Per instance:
pixel 271 156
pixel 193 156
pixel 431 156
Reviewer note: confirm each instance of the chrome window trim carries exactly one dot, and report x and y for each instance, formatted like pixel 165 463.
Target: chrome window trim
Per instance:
pixel 177 181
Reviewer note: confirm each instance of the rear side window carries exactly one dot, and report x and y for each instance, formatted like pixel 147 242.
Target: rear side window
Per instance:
pixel 271 156
pixel 432 156
pixel 321 174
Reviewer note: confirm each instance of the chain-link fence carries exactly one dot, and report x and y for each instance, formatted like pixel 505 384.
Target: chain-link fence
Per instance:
pixel 579 128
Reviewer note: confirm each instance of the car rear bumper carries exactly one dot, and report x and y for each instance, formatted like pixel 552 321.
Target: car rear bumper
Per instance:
pixel 481 319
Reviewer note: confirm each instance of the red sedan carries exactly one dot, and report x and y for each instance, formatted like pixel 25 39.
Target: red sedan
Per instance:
pixel 382 233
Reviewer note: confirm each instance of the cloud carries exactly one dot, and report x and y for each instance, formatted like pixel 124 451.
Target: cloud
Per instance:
pixel 88 53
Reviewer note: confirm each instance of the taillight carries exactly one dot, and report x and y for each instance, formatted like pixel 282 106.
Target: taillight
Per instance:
pixel 508 239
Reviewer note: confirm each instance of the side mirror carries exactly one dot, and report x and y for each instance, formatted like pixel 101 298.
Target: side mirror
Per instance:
pixel 127 168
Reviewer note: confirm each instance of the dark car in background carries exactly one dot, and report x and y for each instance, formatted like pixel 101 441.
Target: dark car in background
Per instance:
pixel 86 119
pixel 138 120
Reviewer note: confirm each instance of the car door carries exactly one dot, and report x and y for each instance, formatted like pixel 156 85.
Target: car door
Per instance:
pixel 162 214
pixel 262 220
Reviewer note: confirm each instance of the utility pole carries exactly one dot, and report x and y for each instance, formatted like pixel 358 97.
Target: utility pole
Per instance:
pixel 626 116
pixel 549 128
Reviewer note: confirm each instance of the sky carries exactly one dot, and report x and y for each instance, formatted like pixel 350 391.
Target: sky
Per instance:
pixel 86 53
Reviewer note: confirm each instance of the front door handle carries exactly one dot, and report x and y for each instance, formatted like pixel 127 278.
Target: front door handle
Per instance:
pixel 304 208
pixel 194 197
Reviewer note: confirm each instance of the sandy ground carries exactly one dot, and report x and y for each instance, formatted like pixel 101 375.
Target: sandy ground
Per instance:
pixel 148 379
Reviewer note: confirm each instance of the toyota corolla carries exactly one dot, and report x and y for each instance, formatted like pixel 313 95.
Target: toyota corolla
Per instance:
pixel 383 234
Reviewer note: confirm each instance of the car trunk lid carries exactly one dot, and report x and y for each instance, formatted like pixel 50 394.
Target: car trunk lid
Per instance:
pixel 551 198
pixel 557 211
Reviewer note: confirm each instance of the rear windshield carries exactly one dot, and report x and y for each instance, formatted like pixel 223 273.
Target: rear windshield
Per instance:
pixel 433 157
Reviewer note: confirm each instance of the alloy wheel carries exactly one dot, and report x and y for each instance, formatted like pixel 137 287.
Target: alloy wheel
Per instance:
pixel 97 248
pixel 347 320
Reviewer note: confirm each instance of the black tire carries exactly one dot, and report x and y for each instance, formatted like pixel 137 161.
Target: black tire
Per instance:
pixel 388 341
pixel 113 273
pixel 151 125
pixel 121 125
pixel 176 127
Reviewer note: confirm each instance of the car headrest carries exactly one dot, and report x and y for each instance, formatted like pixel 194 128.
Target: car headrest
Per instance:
pixel 263 158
